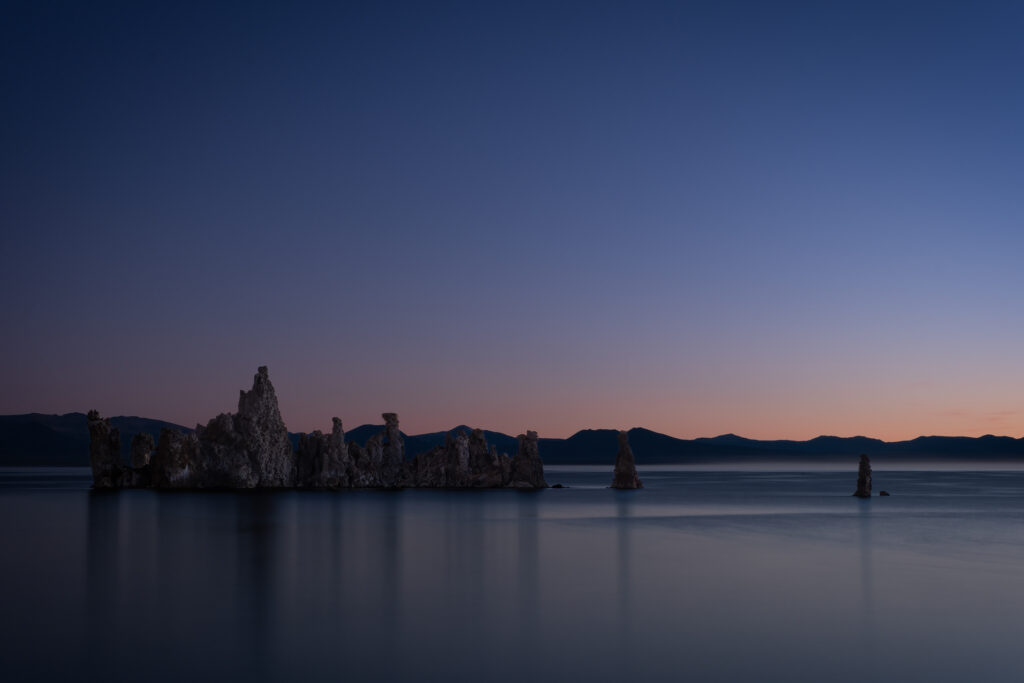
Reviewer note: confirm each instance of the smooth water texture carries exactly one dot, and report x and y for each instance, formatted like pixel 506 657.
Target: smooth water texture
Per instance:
pixel 702 576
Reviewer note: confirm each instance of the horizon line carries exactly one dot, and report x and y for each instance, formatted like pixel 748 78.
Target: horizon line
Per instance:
pixel 578 431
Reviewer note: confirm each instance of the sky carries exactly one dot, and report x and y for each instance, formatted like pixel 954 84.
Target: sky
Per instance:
pixel 776 219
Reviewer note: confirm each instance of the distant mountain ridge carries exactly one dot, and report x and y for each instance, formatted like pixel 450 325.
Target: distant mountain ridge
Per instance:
pixel 63 440
pixel 36 439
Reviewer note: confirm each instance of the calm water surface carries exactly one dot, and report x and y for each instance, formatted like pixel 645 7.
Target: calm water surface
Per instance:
pixel 702 576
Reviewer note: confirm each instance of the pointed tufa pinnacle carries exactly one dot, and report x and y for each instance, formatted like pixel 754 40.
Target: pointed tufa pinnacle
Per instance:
pixel 625 476
pixel 863 478
pixel 247 449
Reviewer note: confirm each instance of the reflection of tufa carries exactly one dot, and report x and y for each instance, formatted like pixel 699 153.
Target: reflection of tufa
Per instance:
pixel 625 476
pixel 251 449
pixel 863 478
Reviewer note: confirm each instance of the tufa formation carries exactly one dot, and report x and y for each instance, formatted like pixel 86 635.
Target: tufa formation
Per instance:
pixel 250 449
pixel 863 478
pixel 625 476
pixel 104 452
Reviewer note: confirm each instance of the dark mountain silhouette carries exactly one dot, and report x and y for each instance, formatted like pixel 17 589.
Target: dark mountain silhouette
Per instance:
pixel 833 445
pixel 63 440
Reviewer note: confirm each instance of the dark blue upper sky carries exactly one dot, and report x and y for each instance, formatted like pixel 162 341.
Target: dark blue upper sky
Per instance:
pixel 776 219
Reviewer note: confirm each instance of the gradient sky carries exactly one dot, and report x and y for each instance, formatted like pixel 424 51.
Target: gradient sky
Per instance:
pixel 774 219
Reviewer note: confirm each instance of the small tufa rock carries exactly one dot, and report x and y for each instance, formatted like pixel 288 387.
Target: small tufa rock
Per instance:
pixel 392 459
pixel 527 468
pixel 339 464
pixel 863 478
pixel 625 476
pixel 883 493
pixel 104 452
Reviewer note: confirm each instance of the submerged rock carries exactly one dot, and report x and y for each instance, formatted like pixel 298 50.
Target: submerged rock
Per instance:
pixel 625 476
pixel 863 478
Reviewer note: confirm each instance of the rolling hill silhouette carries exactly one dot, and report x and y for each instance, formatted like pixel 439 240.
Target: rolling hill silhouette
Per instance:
pixel 63 440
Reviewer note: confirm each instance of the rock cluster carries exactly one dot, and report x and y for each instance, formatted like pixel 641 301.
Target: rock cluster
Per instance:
pixel 108 471
pixel 468 462
pixel 625 476
pixel 863 478
pixel 322 461
pixel 251 449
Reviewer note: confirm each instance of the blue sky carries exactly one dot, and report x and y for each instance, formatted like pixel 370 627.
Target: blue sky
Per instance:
pixel 775 219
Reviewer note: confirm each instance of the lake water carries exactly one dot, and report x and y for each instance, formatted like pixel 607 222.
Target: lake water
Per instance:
pixel 704 575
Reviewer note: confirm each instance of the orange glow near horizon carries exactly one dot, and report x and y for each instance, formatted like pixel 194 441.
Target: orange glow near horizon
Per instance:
pixel 887 421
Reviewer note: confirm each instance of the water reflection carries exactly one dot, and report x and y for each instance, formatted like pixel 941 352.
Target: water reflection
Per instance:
pixel 101 590
pixel 255 589
pixel 386 543
pixel 864 522
pixel 528 595
pixel 584 583
pixel 624 509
